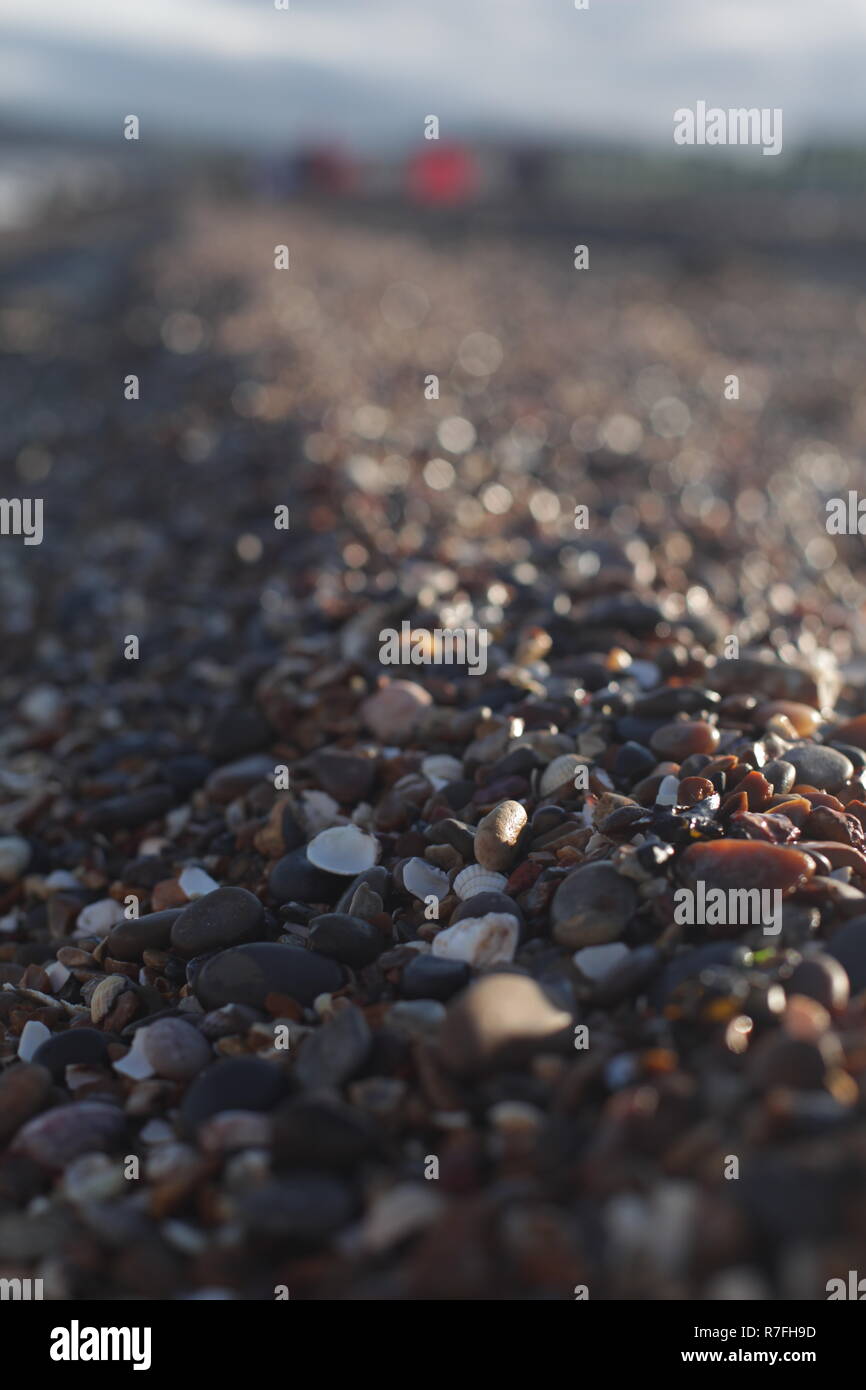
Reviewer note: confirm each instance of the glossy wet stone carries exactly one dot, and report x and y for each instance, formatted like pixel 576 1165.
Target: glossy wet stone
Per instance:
pixel 805 720
pixel 238 1083
pixel 350 940
pixel 248 974
pixel 819 766
pixel 591 906
pixel 850 731
pixel 226 917
pixel 780 774
pixel 730 864
pixel 682 738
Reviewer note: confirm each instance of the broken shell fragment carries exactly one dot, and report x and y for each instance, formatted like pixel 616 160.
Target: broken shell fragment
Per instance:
pixel 423 880
pixel 344 849
pixel 559 772
pixel 486 940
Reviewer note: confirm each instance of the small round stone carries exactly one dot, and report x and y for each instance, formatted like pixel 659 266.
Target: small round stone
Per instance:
pixel 131 938
pixel 819 766
pixel 434 977
pixel 804 719
pixel 680 739
pixel 238 1083
pixel 305 1209
pixel 175 1049
pixel 729 864
pixel 848 947
pixel 592 906
pixel 350 940
pixel 320 1131
pixel 73 1045
pixel 223 918
pixel 24 1089
pixel 393 712
pixel 497 836
pixel 780 774
pixel 248 974
pixel 294 879
pixel 56 1137
pixel 15 854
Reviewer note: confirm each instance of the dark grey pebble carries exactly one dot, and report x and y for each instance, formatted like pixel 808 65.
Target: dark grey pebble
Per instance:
pixel 629 978
pixel 86 1045
pixel 226 917
pixel 350 940
pixel 126 812
pixel 821 977
pixel 248 974
pixel 347 777
pixel 687 965
pixel 320 1131
pixel 434 977
pixel 848 947
pixel 187 772
pixel 819 766
pixel 633 761
pixel 237 732
pixel 129 939
pixel 675 699
pixel 294 876
pixel 780 774
pixel 856 755
pixel 238 1083
pixel 305 1209
pixel 456 833
pixel 336 1051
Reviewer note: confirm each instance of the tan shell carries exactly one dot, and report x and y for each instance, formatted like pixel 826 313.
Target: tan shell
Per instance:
pixel 560 771
pixel 475 879
pixel 344 849
pixel 488 940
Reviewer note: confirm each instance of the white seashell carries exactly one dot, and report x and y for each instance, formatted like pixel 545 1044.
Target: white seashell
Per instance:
pixel 33 1034
pixel 196 883
pixel 57 974
pixel 344 849
pixel 424 880
pixel 440 769
pixel 560 771
pixel 318 811
pixel 487 940
pixel 473 879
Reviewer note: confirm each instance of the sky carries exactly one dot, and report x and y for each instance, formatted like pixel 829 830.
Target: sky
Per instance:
pixel 369 71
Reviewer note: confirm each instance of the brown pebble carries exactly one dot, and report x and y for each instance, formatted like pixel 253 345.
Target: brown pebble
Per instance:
pixel 497 836
pixel 684 737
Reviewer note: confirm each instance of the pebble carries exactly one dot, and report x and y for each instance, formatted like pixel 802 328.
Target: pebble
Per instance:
pixel 592 906
pixel 195 883
pixel 483 903
pixel 393 713
pixel 682 738
pixel 847 945
pixel 434 977
pixel 127 812
pixel 805 720
pixel 780 774
pixel 821 977
pixel 303 1210
pixel 294 878
pixel 416 1018
pixel 730 864
pixel 348 777
pixel 851 731
pixel 15 855
pixel 498 835
pixel 98 918
pixel 819 766
pixel 488 940
pixel 73 1046
pixel 172 1048
pixel 500 1021
pixel 336 1051
pixel 58 1136
pixel 350 940
pixel 403 1211
pixel 248 974
pixel 226 917
pixel 33 1035
pixel 238 1083
pixel 131 937
pixel 238 778
pixel 24 1088
pixel 320 1131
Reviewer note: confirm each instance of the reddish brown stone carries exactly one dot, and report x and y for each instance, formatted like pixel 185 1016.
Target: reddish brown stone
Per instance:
pixel 684 737
pixel 729 864
pixel 804 719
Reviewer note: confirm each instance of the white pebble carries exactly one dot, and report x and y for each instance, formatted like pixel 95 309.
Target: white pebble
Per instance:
pixel 597 961
pixel 33 1034
pixel 98 918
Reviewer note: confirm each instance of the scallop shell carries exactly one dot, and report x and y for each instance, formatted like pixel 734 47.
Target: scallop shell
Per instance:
pixel 344 849
pixel 560 771
pixel 424 880
pixel 474 879
pixel 489 940
pixel 440 769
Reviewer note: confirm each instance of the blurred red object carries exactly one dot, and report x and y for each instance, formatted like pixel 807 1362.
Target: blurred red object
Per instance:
pixel 445 174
